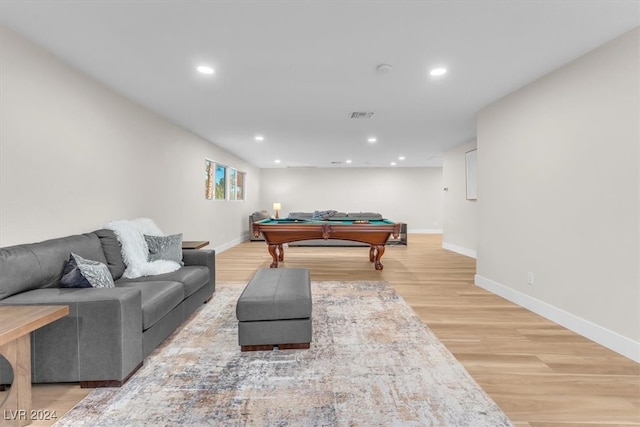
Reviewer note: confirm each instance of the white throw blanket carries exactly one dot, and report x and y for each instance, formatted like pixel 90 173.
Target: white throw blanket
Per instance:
pixel 135 252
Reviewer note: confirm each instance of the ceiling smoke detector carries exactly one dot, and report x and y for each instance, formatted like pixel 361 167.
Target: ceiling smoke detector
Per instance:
pixel 361 114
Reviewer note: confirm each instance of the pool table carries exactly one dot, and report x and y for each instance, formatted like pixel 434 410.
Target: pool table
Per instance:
pixel 276 232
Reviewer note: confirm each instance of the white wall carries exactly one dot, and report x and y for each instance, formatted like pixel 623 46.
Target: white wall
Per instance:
pixel 409 195
pixel 559 195
pixel 74 154
pixel 459 214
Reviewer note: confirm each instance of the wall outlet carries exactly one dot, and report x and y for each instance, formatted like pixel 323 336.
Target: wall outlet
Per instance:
pixel 530 278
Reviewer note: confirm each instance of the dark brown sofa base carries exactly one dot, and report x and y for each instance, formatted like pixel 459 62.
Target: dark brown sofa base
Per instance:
pixel 269 347
pixel 109 383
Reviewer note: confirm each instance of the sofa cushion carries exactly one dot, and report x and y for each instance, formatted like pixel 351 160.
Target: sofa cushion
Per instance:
pixel 368 216
pixel 300 215
pixel 323 214
pixel 39 265
pixel 258 215
pixel 192 277
pixel 112 252
pixel 158 299
pixel 337 216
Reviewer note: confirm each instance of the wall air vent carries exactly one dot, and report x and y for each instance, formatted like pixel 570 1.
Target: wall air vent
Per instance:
pixel 336 163
pixel 361 114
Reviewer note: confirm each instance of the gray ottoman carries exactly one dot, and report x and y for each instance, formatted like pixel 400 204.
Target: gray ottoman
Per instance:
pixel 275 310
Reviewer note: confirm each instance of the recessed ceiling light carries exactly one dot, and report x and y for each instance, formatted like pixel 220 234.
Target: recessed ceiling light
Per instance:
pixel 372 139
pixel 361 114
pixel 204 69
pixel 383 68
pixel 401 158
pixel 348 161
pixel 259 138
pixel 393 163
pixel 438 71
pixel 276 161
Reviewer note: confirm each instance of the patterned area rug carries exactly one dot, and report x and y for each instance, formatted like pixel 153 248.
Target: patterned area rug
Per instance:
pixel 372 362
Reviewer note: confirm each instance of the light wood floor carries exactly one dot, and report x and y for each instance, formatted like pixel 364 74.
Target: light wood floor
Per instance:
pixel 539 373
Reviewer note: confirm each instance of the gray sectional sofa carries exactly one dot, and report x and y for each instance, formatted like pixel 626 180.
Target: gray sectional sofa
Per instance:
pixel 109 331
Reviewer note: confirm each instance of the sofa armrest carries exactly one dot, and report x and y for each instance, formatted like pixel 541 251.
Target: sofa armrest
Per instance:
pixel 204 257
pixel 100 339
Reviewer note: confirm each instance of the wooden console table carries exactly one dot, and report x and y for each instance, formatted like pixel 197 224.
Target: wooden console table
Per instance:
pixel 16 323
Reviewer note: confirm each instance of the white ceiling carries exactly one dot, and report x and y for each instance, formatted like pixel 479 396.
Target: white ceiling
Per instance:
pixel 293 71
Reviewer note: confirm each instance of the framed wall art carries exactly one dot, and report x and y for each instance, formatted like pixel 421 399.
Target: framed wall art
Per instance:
pixel 208 179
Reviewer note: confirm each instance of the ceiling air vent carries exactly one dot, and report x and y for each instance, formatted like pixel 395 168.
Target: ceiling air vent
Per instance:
pixel 361 114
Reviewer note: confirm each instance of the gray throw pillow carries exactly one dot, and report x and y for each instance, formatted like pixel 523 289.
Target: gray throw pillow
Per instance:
pixel 165 247
pixel 72 276
pixel 95 272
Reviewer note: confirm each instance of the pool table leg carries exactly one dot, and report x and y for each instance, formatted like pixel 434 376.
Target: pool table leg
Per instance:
pixel 277 254
pixel 375 253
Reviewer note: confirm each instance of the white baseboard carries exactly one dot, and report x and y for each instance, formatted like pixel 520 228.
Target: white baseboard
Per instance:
pixel 424 231
pixel 610 339
pixel 459 249
pixel 230 244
